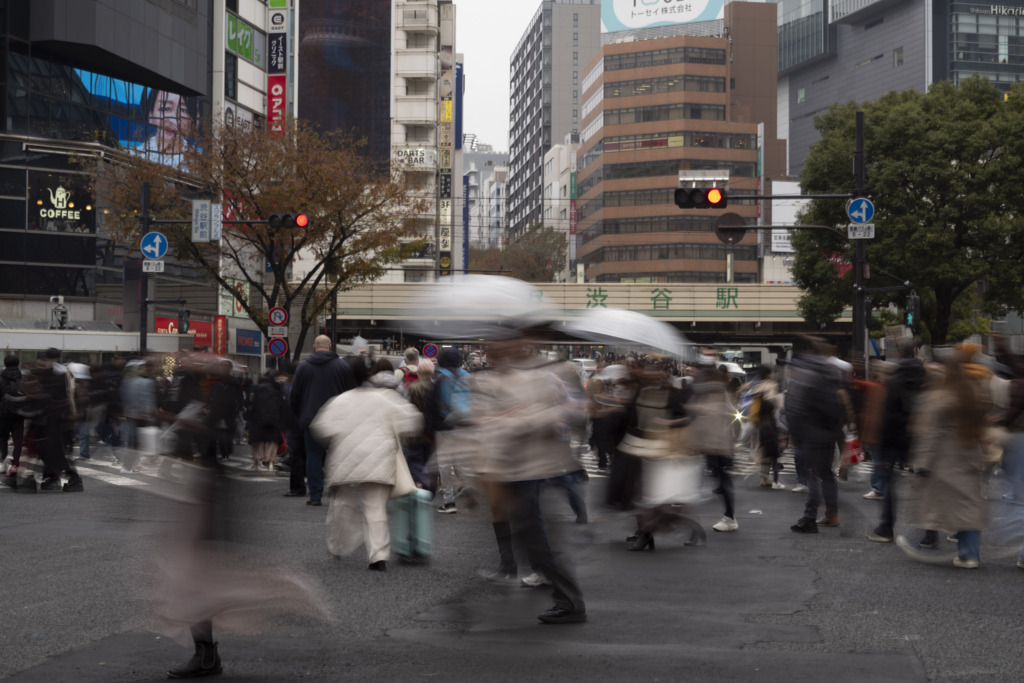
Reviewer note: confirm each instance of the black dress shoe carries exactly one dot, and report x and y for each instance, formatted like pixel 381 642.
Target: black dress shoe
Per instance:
pixel 562 615
pixel 313 502
pixel 378 566
pixel 805 526
pixel 295 494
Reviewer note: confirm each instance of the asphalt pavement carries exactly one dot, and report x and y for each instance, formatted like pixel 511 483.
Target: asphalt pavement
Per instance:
pixel 758 604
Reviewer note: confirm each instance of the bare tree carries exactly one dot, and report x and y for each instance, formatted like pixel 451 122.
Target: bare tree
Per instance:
pixel 362 216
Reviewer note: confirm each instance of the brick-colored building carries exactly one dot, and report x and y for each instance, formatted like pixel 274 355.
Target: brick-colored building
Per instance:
pixel 654 107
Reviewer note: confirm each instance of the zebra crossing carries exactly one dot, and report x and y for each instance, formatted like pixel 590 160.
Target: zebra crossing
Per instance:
pixel 151 472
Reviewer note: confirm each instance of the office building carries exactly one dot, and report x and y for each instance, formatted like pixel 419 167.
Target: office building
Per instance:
pixel 654 108
pixel 858 50
pixel 560 199
pixel 546 73
pixel 87 77
pixel 426 132
pixel 480 166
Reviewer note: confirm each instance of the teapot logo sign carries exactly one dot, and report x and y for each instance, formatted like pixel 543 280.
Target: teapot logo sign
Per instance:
pixel 63 207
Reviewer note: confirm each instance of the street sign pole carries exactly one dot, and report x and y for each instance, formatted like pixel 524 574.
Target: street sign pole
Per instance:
pixel 860 327
pixel 144 294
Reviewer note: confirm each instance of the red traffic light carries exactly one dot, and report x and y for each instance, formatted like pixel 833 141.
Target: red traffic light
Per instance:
pixel 288 220
pixel 701 198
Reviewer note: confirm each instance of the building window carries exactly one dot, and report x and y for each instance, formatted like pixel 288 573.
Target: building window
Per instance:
pixel 575 58
pixel 801 95
pixel 897 57
pixel 575 19
pixel 575 39
pixel 575 116
pixel 230 76
pixel 575 96
pixel 575 77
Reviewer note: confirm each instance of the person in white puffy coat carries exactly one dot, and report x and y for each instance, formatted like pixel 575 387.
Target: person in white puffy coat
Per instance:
pixel 362 431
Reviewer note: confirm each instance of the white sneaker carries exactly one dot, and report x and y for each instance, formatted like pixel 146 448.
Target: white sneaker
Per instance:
pixel 726 524
pixel 778 486
pixel 799 488
pixel 534 580
pixel 873 495
pixel 965 562
pixel 128 470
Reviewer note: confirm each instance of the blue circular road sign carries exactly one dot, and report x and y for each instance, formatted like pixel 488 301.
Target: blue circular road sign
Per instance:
pixel 154 245
pixel 860 210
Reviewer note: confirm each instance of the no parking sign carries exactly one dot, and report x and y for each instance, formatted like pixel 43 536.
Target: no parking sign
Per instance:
pixel 277 346
pixel 430 350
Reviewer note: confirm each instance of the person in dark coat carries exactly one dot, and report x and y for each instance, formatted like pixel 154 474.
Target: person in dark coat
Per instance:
pixel 319 378
pixel 266 421
pixel 901 393
pixel 12 423
pixel 814 413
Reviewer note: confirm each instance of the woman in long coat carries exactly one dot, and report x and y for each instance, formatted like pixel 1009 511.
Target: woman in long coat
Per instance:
pixel 950 458
pixel 362 430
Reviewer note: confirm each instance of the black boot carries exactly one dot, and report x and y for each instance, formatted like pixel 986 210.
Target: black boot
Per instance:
pixel 205 662
pixel 506 556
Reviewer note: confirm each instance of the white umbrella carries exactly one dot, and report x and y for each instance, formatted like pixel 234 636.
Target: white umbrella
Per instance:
pixel 618 326
pixel 482 306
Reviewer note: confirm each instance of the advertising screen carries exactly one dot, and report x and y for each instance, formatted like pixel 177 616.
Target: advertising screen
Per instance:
pixel 154 123
pixel 624 15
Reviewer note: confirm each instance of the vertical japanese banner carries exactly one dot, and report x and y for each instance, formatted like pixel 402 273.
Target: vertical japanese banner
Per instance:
pixel 277 65
pixel 446 148
pixel 220 335
pixel 572 217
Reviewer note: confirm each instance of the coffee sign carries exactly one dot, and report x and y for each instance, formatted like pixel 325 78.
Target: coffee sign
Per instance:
pixel 61 203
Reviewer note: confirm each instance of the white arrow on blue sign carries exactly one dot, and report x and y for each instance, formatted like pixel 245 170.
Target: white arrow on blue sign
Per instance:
pixel 860 210
pixel 154 245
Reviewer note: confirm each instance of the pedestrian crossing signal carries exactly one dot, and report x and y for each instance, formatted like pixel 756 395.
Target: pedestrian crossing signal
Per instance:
pixel 912 311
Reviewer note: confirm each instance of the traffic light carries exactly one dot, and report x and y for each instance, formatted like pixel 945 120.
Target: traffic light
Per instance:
pixel 278 221
pixel 912 311
pixel 701 198
pixel 184 315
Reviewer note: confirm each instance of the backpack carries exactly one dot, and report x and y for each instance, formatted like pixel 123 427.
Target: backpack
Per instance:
pixel 454 397
pixel 408 376
pixel 13 399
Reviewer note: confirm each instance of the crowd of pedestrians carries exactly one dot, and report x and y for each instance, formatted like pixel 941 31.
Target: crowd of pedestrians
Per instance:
pixel 386 447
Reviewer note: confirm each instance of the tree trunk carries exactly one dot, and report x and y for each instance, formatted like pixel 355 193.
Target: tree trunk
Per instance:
pixel 944 299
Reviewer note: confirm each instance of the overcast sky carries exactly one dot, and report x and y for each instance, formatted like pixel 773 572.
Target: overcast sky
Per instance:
pixel 486 33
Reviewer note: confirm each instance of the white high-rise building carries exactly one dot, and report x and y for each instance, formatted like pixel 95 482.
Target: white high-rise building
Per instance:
pixel 426 131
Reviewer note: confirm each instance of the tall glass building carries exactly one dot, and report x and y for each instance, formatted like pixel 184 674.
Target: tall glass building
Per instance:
pixel 858 50
pixel 76 77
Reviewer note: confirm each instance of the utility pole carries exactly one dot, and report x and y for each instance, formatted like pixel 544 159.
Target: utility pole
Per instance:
pixel 144 294
pixel 860 327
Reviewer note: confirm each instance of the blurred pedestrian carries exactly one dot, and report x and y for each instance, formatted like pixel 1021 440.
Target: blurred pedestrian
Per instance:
pixel 713 414
pixel 205 578
pixel 765 406
pixel 518 412
pixel 950 457
pixel 12 419
pixel 814 413
pixel 318 379
pixel 901 394
pixel 454 401
pixel 361 430
pixel 265 420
